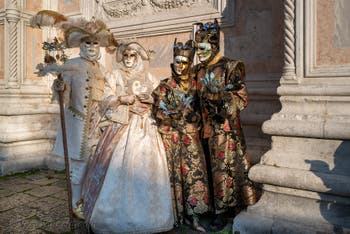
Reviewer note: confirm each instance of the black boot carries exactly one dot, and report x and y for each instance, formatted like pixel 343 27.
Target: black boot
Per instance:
pixel 218 223
pixel 193 222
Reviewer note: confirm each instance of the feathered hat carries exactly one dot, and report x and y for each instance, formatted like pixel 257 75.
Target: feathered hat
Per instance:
pixel 187 50
pixel 74 30
pixel 208 33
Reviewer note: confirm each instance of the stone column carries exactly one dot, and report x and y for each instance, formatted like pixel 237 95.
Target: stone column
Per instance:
pixel 27 117
pixel 12 17
pixel 305 174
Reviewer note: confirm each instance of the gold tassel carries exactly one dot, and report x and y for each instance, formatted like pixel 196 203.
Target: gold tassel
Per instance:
pixel 141 126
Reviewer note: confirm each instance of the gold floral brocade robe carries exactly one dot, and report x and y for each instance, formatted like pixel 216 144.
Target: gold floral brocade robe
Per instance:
pixel 222 93
pixel 179 125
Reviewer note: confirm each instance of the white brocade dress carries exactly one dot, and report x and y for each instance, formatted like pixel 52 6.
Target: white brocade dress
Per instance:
pixel 135 196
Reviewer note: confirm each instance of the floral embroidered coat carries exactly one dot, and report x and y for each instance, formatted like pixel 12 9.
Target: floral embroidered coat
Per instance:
pixel 222 93
pixel 179 124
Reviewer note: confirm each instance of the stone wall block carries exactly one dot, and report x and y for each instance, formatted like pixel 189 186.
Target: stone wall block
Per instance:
pixel 303 180
pixel 285 213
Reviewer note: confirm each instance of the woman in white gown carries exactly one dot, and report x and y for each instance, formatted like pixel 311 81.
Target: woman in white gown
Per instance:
pixel 126 188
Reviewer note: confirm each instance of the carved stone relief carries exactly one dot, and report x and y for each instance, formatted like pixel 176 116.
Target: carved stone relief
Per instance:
pixel 169 4
pixel 130 19
pixel 119 9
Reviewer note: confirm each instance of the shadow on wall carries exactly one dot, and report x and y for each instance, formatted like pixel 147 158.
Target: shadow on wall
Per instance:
pixel 256 38
pixel 335 203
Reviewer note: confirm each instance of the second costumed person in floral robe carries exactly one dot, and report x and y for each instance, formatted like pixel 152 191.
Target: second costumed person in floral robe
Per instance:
pixel 222 93
pixel 179 124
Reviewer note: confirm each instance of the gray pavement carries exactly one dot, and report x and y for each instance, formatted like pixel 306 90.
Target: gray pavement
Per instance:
pixel 35 202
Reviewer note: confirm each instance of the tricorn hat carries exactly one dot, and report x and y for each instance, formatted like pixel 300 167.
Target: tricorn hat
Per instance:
pixel 76 29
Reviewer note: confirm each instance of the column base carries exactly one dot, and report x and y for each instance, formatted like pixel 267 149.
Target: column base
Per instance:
pixel 286 213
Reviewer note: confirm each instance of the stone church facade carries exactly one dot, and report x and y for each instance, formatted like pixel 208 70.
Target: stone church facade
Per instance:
pixel 297 124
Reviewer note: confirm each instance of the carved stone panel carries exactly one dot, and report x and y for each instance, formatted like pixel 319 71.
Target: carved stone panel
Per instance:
pixel 33 5
pixel 331 36
pixel 130 18
pixel 68 7
pixel 327 54
pixel 33 52
pixel 342 24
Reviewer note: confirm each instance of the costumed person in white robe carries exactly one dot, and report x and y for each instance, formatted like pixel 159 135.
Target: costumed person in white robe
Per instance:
pixel 126 188
pixel 83 84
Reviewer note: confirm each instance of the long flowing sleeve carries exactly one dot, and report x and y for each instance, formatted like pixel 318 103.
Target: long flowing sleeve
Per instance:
pixel 236 77
pixel 160 103
pixel 236 98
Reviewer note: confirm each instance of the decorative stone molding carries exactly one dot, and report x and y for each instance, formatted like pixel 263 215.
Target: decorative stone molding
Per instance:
pixel 130 19
pixel 119 9
pixel 310 116
pixel 169 4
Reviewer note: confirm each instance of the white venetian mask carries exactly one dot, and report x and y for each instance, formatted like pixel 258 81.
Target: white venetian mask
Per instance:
pixel 90 49
pixel 204 51
pixel 129 58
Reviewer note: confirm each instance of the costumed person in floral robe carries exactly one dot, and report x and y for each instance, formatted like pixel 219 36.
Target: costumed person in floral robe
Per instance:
pixel 223 95
pixel 126 187
pixel 179 121
pixel 83 84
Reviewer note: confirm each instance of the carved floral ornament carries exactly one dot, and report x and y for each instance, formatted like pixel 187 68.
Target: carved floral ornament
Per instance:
pixel 118 9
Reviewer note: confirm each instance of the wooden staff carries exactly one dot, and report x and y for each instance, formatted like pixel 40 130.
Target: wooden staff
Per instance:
pixel 65 151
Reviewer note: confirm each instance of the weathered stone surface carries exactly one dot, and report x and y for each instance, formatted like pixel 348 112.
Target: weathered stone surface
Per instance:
pixel 44 191
pixel 5 192
pixel 17 214
pixel 44 181
pixel 16 200
pixel 56 213
pixel 58 227
pixel 21 187
pixel 286 213
pixel 21 212
pixel 26 225
pixel 44 204
pixel 62 195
